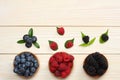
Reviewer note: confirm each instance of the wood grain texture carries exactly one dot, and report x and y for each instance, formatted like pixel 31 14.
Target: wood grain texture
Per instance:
pixel 56 12
pixel 10 36
pixel 6 69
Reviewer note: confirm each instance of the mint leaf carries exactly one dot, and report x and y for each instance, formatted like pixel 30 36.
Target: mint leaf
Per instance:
pixel 20 41
pixel 36 45
pixel 88 44
pixel 83 35
pixel 30 33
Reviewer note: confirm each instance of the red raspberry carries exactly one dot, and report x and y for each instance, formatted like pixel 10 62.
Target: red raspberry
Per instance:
pixel 51 59
pixel 64 74
pixel 53 45
pixel 66 58
pixel 54 64
pixel 57 73
pixel 60 30
pixel 69 43
pixel 52 69
pixel 62 67
pixel 71 58
pixel 70 64
pixel 68 71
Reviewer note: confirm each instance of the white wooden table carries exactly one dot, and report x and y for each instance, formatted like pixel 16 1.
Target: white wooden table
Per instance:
pixel 91 17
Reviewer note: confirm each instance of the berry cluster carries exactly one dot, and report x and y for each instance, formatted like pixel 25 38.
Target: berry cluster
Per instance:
pixel 68 44
pixel 60 64
pixel 25 64
pixel 95 64
pixel 29 39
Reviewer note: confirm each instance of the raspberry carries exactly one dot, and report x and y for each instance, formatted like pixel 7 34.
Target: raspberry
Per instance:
pixel 69 43
pixel 52 69
pixel 62 67
pixel 52 59
pixel 54 64
pixel 64 74
pixel 66 58
pixel 70 64
pixel 53 45
pixel 60 30
pixel 57 73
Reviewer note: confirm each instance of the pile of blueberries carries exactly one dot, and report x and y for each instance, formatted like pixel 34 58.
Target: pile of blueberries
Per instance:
pixel 25 64
pixel 29 40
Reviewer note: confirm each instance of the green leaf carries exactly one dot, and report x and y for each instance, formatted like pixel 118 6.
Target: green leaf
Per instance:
pixel 30 33
pixel 20 41
pixel 36 45
pixel 100 39
pixel 88 44
pixel 82 34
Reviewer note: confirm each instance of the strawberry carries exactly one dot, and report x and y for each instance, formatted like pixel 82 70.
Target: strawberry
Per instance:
pixel 60 30
pixel 69 43
pixel 53 45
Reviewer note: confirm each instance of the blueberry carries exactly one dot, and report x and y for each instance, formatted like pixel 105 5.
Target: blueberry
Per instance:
pixel 29 58
pixel 16 70
pixel 15 63
pixel 28 45
pixel 23 65
pixel 31 74
pixel 17 60
pixel 27 64
pixel 29 40
pixel 32 69
pixel 27 54
pixel 20 65
pixel 85 39
pixel 27 72
pixel 22 70
pixel 104 37
pixel 25 37
pixel 31 64
pixel 22 56
pixel 34 39
pixel 36 65
pixel 23 60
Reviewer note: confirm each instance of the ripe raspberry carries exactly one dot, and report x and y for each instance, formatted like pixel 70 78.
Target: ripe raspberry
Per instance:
pixel 53 45
pixel 60 30
pixel 66 58
pixel 62 67
pixel 54 64
pixel 64 74
pixel 52 69
pixel 51 59
pixel 57 73
pixel 70 64
pixel 69 43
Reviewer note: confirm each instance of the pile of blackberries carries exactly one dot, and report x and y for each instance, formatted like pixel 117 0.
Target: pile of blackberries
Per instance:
pixel 29 40
pixel 25 64
pixel 95 64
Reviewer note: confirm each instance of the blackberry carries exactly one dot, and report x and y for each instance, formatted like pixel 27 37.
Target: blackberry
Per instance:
pixel 24 66
pixel 95 64
pixel 104 37
pixel 25 37
pixel 85 39
pixel 28 45
pixel 34 39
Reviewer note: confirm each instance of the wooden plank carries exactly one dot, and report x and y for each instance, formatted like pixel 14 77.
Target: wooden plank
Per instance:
pixel 10 35
pixel 47 12
pixel 6 69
